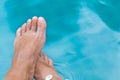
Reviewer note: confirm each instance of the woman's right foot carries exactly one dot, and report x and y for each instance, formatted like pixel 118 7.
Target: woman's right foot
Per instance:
pixel 30 39
pixel 45 68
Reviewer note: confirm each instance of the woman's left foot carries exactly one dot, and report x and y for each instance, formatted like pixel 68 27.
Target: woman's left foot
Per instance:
pixel 44 68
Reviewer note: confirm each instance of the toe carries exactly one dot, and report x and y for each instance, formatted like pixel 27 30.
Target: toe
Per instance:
pixel 40 54
pixel 41 25
pixel 34 23
pixel 28 24
pixel 46 59
pixel 24 28
pixel 50 62
pixel 19 32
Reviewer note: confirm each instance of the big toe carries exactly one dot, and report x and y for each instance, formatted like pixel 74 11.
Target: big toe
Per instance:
pixel 46 59
pixel 41 25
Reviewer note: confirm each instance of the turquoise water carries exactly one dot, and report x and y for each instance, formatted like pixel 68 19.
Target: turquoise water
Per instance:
pixel 83 36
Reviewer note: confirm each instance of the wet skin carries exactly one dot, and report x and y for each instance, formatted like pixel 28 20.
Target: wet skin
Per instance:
pixel 26 64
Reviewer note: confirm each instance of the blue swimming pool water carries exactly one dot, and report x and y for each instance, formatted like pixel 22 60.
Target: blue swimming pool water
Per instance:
pixel 83 36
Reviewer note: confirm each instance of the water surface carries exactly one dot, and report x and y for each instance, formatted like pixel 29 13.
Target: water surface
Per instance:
pixel 82 35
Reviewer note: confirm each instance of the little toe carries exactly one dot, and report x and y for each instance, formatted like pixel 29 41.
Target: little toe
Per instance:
pixel 34 23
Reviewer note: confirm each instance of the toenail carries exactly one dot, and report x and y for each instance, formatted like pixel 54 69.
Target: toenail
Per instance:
pixel 24 24
pixel 19 28
pixel 29 20
pixel 41 18
pixel 34 17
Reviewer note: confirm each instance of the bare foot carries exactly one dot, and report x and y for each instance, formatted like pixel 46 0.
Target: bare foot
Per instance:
pixel 45 68
pixel 30 39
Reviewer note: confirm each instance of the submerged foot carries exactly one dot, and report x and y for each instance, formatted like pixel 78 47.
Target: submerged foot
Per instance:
pixel 44 68
pixel 30 39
